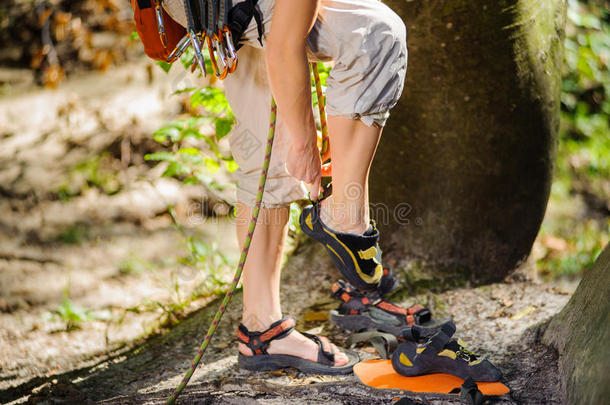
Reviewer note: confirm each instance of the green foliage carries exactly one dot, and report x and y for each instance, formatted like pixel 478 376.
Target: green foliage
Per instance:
pixel 582 172
pixel 99 172
pixel 72 314
pixel 74 235
pixel 577 252
pixel 586 89
pixel 134 265
pixel 183 160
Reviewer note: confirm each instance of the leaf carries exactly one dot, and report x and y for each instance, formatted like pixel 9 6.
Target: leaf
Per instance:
pixel 164 65
pixel 523 313
pixel 210 98
pixel 189 151
pixel 185 90
pixel 211 165
pixel 231 165
pixel 223 127
pixel 171 131
pixel 159 156
pixel 176 169
pixel 315 316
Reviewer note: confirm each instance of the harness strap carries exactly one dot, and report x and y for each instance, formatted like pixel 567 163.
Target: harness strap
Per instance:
pixel 142 4
pixel 239 18
pixel 258 342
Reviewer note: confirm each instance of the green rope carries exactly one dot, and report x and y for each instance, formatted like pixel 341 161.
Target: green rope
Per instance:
pixel 321 106
pixel 242 260
pixel 248 240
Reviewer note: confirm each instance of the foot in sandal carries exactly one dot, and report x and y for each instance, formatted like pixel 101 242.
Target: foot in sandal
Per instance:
pixel 281 346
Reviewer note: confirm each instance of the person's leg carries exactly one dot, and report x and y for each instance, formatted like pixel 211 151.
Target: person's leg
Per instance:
pixel 261 282
pixel 355 143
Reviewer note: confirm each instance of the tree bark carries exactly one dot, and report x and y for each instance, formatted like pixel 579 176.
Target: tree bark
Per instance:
pixel 580 333
pixel 463 173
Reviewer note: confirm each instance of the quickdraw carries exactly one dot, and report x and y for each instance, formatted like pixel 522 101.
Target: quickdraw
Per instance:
pixel 209 28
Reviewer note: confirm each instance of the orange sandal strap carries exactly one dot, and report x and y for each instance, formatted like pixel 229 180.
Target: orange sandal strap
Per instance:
pixel 258 341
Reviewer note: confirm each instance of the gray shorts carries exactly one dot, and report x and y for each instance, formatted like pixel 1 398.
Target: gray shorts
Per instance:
pixel 364 39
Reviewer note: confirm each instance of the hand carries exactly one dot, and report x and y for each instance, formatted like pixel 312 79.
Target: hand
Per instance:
pixel 303 163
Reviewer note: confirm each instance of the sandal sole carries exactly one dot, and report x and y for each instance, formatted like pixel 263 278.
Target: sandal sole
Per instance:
pixel 358 323
pixel 270 362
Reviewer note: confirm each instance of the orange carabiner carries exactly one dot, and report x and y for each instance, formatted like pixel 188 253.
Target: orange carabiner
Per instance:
pixel 208 41
pixel 221 56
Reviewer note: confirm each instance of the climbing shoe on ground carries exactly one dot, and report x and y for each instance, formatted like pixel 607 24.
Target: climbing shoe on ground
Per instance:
pixel 442 354
pixel 358 257
pixel 261 360
pixel 361 310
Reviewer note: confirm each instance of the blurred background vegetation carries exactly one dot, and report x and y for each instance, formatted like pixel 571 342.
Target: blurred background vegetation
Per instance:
pixel 578 222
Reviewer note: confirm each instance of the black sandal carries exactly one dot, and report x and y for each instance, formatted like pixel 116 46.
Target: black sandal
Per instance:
pixel 260 360
pixel 360 310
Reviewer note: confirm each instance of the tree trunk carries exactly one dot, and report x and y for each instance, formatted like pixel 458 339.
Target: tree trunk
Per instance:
pixel 463 173
pixel 580 333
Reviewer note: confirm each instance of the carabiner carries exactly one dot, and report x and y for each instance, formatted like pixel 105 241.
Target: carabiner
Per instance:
pixel 197 45
pixel 179 49
pixel 160 23
pixel 221 55
pixel 229 44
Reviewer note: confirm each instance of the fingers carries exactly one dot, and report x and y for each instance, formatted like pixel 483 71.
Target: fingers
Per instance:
pixel 314 188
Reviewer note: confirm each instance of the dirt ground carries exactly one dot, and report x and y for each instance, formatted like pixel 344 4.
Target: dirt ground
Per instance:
pixel 115 259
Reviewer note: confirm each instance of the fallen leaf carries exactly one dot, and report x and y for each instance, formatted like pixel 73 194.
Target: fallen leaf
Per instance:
pixel 555 243
pixel 523 313
pixel 314 316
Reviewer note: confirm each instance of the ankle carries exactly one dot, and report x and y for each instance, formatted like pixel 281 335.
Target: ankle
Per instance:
pixel 342 219
pixel 259 321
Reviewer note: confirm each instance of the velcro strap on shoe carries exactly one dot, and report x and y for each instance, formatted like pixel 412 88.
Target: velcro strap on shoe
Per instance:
pixel 422 316
pixel 387 282
pixel 438 341
pixel 258 342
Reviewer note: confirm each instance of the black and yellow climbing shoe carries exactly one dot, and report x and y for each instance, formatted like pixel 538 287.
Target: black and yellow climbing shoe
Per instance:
pixel 358 257
pixel 442 354
pixel 361 311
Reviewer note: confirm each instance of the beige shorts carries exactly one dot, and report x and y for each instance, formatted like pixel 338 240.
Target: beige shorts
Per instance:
pixel 366 41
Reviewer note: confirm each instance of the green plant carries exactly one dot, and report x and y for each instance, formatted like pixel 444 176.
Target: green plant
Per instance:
pixel 580 224
pixel 72 314
pixel 99 172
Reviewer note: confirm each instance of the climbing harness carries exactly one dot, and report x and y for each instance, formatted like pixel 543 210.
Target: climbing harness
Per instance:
pixel 213 25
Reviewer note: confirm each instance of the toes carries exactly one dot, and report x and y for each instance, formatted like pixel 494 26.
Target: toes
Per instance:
pixel 340 357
